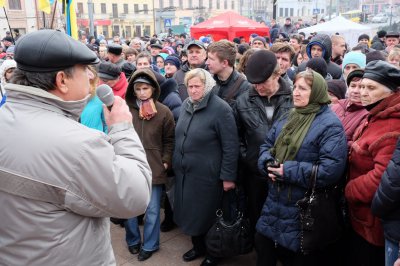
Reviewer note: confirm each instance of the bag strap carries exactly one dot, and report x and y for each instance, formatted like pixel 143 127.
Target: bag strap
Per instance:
pixel 313 179
pixel 234 88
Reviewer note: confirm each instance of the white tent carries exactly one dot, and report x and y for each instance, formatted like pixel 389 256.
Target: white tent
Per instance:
pixel 348 29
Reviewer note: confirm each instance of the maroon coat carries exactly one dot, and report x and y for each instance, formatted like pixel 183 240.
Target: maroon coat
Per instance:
pixel 351 115
pixel 373 146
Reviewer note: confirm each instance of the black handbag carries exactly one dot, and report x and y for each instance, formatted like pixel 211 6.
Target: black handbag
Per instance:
pixel 320 216
pixel 229 238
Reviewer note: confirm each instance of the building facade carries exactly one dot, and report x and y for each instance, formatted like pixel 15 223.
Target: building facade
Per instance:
pixel 179 15
pixel 125 18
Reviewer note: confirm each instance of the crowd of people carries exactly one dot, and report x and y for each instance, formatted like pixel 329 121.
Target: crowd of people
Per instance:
pixel 206 117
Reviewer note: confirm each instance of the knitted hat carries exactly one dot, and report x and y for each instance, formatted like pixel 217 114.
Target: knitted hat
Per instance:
pixel 319 65
pixel 383 73
pixel 173 60
pixel 357 58
pixel 381 33
pixel 337 87
pixel 261 39
pixel 363 36
pixel 375 55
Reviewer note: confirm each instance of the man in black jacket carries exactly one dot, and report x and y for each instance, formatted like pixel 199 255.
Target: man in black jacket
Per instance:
pixel 197 55
pixel 256 110
pixel 230 83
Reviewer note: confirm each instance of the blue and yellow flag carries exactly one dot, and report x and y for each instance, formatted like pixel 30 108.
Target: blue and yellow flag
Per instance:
pixel 70 18
pixel 44 5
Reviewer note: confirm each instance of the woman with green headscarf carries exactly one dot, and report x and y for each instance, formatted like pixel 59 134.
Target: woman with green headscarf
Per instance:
pixel 310 134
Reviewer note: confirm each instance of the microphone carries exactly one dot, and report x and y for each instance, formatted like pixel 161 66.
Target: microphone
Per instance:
pixel 106 95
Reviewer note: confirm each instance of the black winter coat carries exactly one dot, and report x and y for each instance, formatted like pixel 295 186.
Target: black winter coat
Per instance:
pixel 386 203
pixel 252 122
pixel 206 153
pixel 169 96
pixel 224 88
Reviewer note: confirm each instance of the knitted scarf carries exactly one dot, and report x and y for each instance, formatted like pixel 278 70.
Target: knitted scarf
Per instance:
pixel 299 121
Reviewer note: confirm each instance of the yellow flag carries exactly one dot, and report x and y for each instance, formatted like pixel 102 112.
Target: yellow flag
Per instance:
pixel 44 5
pixel 2 3
pixel 74 24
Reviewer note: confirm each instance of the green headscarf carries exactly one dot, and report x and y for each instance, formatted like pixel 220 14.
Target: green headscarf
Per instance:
pixel 299 121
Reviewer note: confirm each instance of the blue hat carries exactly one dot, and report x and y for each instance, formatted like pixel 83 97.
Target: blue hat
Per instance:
pixel 173 60
pixel 253 35
pixel 354 58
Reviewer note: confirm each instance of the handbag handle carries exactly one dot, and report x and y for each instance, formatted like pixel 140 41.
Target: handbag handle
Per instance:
pixel 313 179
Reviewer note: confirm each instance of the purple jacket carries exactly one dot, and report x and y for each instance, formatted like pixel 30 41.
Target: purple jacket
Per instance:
pixel 351 115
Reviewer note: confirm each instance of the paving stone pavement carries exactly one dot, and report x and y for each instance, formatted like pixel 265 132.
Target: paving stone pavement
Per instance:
pixel 172 246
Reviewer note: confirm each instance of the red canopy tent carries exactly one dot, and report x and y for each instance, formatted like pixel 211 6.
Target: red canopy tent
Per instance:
pixel 228 26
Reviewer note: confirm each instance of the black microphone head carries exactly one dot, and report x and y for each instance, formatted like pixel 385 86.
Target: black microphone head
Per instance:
pixel 105 94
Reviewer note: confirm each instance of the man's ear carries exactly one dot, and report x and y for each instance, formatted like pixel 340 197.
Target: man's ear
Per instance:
pixel 61 82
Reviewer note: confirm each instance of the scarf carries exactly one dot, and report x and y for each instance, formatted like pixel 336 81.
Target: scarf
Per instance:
pixel 299 121
pixel 208 86
pixel 147 109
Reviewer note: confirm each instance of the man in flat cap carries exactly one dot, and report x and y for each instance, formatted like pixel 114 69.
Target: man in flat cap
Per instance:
pixel 197 55
pixel 115 56
pixel 256 110
pixel 392 39
pixel 59 180
pixel 113 76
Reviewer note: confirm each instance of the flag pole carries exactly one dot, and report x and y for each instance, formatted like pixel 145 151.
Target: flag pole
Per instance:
pixel 54 13
pixel 4 8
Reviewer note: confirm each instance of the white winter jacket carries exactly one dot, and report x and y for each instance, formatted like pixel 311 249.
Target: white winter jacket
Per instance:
pixel 59 181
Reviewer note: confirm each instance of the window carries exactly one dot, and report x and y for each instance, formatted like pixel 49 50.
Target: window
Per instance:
pixel 225 4
pixel 103 8
pixel 291 12
pixel 281 12
pixel 201 5
pixel 80 8
pixel 115 10
pixel 138 31
pixel 218 4
pixel 233 5
pixel 171 3
pixel 14 4
pixel 161 3
pixel 147 30
pixel 105 31
pixel 210 2
pixel 286 12
pixel 128 32
pixel 126 10
pixel 136 8
pixel 190 3
pixel 180 4
pixel 116 30
pixel 146 9
pixel 322 11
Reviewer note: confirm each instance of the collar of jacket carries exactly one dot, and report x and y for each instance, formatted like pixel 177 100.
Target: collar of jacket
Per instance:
pixel 389 107
pixel 186 67
pixel 45 100
pixel 203 104
pixel 284 89
pixel 233 76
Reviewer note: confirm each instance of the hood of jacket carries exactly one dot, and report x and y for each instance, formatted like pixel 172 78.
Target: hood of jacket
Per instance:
pixel 130 92
pixel 166 87
pixel 324 41
pixel 45 100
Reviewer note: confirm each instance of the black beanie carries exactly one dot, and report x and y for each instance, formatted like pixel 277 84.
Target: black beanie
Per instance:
pixel 381 33
pixel 363 36
pixel 337 87
pixel 375 55
pixel 319 65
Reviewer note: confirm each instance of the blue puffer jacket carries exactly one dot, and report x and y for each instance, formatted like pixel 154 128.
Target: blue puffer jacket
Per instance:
pixel 325 144
pixel 386 203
